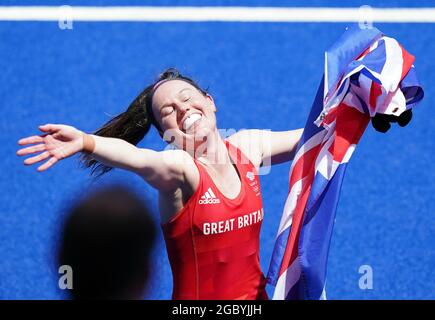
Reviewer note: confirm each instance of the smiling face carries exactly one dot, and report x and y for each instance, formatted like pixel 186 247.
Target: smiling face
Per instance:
pixel 185 115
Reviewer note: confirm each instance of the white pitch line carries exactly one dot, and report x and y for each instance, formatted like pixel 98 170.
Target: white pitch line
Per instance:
pixel 234 14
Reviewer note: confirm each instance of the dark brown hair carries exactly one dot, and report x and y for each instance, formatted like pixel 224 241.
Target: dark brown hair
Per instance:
pixel 134 123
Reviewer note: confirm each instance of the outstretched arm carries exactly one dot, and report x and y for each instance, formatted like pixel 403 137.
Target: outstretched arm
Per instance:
pixel 265 147
pixel 162 170
pixel 280 146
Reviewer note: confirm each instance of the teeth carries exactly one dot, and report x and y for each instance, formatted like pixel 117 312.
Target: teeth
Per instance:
pixel 190 120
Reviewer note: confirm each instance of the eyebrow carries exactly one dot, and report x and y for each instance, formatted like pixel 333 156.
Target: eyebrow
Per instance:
pixel 166 105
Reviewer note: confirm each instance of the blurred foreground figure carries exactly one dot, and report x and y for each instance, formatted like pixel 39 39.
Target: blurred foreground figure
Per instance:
pixel 106 240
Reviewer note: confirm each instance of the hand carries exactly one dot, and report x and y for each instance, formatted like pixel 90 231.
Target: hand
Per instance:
pixel 58 142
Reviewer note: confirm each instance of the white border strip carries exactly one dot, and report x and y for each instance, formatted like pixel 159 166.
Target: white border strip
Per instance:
pixel 235 14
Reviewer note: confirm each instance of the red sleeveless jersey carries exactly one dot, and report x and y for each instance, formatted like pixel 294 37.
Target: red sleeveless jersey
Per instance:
pixel 213 241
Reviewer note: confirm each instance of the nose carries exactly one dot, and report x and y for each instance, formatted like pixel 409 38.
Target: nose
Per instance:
pixel 182 107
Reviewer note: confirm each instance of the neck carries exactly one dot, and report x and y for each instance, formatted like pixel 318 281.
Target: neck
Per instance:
pixel 213 153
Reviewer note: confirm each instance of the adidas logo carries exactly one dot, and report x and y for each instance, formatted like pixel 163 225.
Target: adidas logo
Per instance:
pixel 209 198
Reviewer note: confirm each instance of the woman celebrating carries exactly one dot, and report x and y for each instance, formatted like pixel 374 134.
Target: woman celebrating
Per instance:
pixel 209 194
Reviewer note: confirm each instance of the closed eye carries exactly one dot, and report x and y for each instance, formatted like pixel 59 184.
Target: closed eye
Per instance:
pixel 166 111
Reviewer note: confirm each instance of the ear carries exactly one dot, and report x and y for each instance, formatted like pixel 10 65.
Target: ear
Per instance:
pixel 211 102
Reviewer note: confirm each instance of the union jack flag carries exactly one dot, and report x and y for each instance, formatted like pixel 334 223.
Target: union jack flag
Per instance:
pixel 366 73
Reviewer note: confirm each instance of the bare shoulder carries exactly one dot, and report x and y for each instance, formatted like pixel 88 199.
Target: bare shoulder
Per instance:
pixel 183 161
pixel 166 170
pixel 249 141
pixel 180 160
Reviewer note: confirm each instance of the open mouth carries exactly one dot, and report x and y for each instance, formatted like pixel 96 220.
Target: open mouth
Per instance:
pixel 191 120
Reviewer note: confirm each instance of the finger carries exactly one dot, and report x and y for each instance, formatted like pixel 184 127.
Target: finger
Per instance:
pixel 49 127
pixel 32 149
pixel 32 139
pixel 37 158
pixel 48 164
